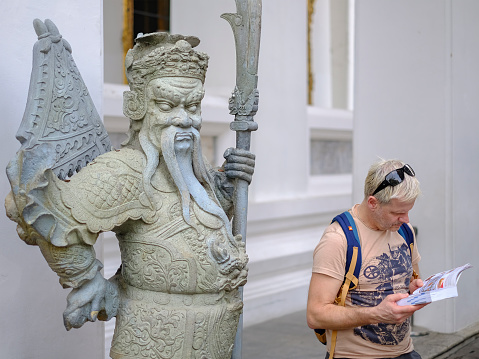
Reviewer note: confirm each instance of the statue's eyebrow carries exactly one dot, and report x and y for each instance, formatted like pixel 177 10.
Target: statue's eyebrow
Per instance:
pixel 195 96
pixel 160 92
pixel 173 94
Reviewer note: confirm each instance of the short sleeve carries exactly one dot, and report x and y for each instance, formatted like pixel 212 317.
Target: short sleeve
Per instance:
pixel 329 256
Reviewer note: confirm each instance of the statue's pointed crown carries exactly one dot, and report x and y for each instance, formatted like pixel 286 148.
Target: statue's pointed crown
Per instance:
pixel 160 54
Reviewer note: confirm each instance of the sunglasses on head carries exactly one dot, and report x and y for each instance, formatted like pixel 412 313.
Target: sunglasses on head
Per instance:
pixel 395 177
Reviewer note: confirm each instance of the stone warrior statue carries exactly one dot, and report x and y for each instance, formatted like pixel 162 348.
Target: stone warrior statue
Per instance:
pixel 176 292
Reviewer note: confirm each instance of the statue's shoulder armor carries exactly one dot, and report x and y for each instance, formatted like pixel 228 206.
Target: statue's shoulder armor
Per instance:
pixel 119 159
pixel 109 191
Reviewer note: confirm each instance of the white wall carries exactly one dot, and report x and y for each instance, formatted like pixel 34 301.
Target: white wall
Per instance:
pixel 416 99
pixel 31 298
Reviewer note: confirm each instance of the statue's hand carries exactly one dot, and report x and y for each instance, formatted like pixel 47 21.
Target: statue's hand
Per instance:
pixel 239 164
pixel 97 298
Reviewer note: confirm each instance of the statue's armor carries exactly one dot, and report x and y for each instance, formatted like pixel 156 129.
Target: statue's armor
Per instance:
pixel 174 292
pixel 170 300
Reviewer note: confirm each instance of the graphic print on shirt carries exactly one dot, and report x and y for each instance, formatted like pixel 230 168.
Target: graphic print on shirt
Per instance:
pixel 386 274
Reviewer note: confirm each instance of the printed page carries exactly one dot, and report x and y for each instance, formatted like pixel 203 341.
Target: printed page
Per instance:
pixel 438 286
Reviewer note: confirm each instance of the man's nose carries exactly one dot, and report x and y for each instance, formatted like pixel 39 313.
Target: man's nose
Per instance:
pixel 404 218
pixel 181 119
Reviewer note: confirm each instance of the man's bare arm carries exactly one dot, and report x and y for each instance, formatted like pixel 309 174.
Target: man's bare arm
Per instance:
pixel 323 313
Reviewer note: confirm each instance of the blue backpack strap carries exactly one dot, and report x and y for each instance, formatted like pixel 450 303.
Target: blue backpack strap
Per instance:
pixel 352 269
pixel 353 265
pixel 348 226
pixel 406 232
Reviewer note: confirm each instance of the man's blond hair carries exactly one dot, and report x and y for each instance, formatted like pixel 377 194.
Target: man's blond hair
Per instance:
pixel 407 190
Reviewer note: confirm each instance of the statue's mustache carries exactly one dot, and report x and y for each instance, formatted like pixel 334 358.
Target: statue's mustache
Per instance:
pixel 180 136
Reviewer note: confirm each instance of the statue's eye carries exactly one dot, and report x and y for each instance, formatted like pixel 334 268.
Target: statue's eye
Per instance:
pixel 164 106
pixel 192 108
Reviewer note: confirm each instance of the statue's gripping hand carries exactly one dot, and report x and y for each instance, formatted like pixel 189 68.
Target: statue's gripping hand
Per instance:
pixel 96 299
pixel 239 164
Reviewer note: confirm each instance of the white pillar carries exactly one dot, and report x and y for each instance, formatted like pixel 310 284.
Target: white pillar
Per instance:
pixel 31 298
pixel 340 52
pixel 321 54
pixel 416 100
pixel 281 142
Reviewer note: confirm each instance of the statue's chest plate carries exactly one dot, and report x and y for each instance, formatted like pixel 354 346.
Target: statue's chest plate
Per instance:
pixel 170 256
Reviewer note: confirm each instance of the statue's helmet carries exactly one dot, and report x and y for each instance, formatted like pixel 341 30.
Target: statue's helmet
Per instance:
pixel 158 55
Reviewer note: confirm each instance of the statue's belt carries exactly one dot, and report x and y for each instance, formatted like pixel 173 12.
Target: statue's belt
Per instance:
pixel 129 293
pixel 158 234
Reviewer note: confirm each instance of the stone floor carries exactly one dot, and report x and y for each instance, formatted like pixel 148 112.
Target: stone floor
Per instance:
pixel 469 349
pixel 286 337
pixel 290 338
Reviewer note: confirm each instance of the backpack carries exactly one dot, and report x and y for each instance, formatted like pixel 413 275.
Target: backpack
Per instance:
pixel 353 265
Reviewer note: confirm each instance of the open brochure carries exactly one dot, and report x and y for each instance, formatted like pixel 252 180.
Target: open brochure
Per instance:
pixel 438 286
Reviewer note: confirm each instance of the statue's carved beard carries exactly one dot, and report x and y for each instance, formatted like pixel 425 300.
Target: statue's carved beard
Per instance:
pixel 189 173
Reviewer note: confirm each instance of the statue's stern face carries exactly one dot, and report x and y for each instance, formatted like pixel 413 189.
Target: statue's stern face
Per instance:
pixel 174 101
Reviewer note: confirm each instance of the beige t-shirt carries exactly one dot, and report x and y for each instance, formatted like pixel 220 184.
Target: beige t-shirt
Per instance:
pixel 386 269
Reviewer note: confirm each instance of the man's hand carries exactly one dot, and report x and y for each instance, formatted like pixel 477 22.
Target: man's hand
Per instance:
pixel 97 298
pixel 239 164
pixel 415 284
pixel 388 311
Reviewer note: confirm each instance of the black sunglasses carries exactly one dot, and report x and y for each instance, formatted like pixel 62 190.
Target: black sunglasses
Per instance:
pixel 395 177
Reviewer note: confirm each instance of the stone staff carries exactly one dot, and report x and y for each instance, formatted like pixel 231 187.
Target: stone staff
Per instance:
pixel 243 104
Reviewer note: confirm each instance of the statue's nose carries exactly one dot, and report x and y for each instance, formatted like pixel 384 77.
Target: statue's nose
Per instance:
pixel 182 119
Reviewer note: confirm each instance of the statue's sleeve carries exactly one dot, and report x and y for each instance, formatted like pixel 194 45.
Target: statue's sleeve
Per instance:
pixel 45 221
pixel 74 264
pixel 65 218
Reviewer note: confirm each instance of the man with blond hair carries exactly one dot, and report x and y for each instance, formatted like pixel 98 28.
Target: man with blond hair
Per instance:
pixel 371 324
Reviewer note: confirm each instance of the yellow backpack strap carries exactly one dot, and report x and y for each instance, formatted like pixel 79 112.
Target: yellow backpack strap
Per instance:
pixel 341 299
pixel 414 274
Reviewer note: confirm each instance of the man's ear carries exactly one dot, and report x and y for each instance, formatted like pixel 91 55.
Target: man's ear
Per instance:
pixel 373 203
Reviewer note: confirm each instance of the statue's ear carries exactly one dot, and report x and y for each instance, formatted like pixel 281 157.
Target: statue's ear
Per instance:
pixel 133 105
